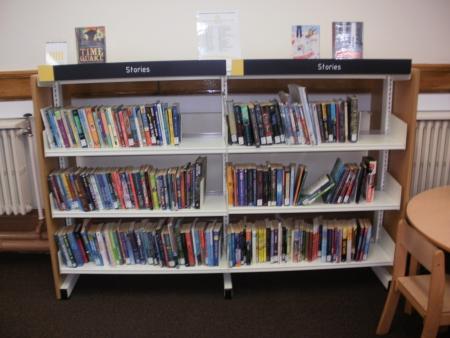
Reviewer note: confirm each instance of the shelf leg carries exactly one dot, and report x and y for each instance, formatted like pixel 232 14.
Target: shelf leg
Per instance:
pixel 227 286
pixel 383 275
pixel 67 285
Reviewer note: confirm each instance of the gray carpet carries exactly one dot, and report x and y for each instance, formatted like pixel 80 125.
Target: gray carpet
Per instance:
pixel 339 303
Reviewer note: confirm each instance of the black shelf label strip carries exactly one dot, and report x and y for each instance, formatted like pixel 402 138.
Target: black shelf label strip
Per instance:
pixel 327 67
pixel 149 69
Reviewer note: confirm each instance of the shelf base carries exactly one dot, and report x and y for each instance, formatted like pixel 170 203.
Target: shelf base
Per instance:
pixel 378 257
pixel 383 275
pixel 227 286
pixel 68 285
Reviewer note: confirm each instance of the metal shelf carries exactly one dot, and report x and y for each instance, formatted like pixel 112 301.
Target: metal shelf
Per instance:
pixel 377 257
pixel 214 144
pixel 394 140
pixel 213 205
pixel 389 199
pixel 190 144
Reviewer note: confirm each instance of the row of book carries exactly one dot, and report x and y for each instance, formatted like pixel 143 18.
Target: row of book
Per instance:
pixel 112 126
pixel 275 184
pixel 293 120
pixel 166 243
pixel 351 182
pixel 270 184
pixel 296 240
pixel 146 187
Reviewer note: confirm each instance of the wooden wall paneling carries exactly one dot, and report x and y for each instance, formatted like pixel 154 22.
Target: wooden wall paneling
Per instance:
pixel 401 161
pixel 434 78
pixel 15 85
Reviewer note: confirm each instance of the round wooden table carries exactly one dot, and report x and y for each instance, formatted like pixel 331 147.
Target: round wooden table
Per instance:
pixel 429 213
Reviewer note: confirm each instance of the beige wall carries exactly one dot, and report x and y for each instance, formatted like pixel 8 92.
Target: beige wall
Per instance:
pixel 156 30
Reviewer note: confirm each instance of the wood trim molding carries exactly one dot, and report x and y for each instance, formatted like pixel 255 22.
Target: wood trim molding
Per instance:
pixel 15 85
pixel 434 78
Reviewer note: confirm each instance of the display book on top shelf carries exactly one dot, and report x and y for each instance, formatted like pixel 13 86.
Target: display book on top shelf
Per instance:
pixel 373 76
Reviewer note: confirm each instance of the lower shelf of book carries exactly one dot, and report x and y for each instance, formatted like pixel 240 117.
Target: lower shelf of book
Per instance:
pixel 377 257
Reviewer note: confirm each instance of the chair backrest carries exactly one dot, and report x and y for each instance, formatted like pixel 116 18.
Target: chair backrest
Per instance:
pixel 409 240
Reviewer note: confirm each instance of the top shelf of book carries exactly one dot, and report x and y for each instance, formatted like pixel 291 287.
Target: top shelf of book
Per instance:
pixel 398 69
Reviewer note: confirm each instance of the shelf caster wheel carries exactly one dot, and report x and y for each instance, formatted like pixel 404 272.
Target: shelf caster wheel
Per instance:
pixel 228 294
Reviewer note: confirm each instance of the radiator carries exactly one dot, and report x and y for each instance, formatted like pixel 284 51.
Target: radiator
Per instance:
pixel 15 188
pixel 431 166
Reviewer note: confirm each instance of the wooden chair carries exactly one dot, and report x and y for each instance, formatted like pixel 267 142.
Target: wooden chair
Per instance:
pixel 429 294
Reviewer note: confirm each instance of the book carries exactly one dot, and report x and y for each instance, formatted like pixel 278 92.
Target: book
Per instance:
pixel 370 178
pixel 354 119
pixel 319 188
pixel 91 44
pixel 305 41
pixel 347 40
pixel 231 121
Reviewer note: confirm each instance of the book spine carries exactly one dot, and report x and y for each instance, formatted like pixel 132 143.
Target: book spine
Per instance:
pixel 254 125
pixel 148 113
pixel 92 126
pixel 354 119
pixel 259 122
pixel 239 124
pixel 266 120
pixel 69 250
pixel 176 124
pixel 276 128
pixel 232 130
pixel 279 121
pixel 61 128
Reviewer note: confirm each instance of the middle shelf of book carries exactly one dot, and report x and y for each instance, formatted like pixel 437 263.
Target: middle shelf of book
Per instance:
pixel 214 204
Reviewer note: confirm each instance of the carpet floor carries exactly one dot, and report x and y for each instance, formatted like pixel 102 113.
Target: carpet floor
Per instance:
pixel 335 303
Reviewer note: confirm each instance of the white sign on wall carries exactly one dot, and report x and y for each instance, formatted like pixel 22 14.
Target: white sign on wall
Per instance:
pixel 218 35
pixel 56 53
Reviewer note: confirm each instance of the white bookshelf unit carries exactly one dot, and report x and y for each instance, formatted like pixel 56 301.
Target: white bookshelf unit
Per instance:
pixel 387 133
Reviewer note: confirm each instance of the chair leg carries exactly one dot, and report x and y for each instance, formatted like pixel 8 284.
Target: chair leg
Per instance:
pixel 413 270
pixel 388 311
pixel 430 326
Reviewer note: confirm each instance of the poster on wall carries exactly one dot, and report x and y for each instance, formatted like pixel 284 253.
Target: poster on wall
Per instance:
pixel 218 35
pixel 56 53
pixel 91 44
pixel 305 41
pixel 347 40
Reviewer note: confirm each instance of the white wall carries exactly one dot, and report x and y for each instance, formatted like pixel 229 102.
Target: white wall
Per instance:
pixel 139 30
